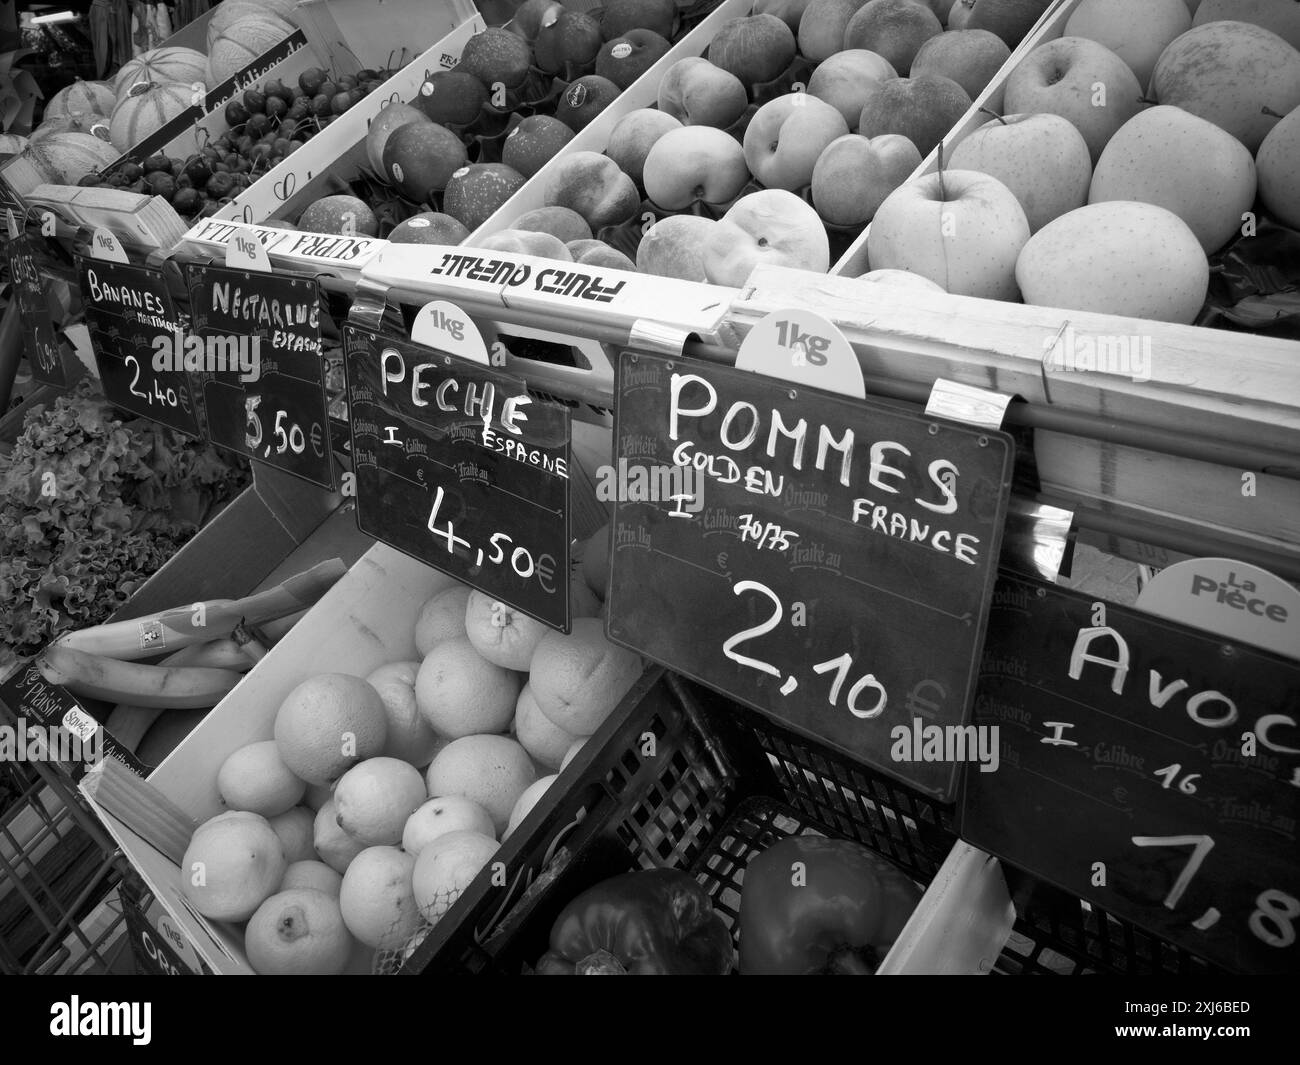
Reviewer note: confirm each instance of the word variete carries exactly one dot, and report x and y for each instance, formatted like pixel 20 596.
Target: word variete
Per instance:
pixel 458 466
pixel 843 554
pixel 1184 751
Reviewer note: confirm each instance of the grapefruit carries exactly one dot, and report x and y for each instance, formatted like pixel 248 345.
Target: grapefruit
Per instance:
pixel 446 867
pixel 409 736
pixel 376 898
pixel 461 693
pixel 312 874
pixel 441 618
pixel 493 771
pixel 255 778
pixel 328 724
pixel 232 866
pixel 437 817
pixel 295 829
pixel 299 932
pixel 578 679
pixel 500 633
pixel 373 800
pixel 538 734
pixel 335 847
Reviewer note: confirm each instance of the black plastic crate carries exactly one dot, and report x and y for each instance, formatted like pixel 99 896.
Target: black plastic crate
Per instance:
pixel 677 777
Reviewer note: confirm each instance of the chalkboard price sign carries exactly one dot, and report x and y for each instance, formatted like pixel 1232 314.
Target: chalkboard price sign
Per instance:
pixel 458 466
pixel 827 561
pixel 133 330
pixel 44 353
pixel 256 347
pixel 1149 768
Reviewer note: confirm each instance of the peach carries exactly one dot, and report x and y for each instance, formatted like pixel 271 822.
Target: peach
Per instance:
pixel 558 221
pixel 895 29
pixel 694 163
pixel 595 187
pixel 787 135
pixel 524 242
pixel 698 93
pixel 772 227
pixel 626 58
pixel 636 133
pixel 968 57
pixel 756 49
pixel 843 79
pixel 821 30
pixel 922 109
pixel 674 247
pixel 854 175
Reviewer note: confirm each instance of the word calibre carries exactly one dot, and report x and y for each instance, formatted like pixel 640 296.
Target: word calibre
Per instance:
pixel 692 397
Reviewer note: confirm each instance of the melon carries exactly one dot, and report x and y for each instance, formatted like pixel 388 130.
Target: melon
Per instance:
pixel 66 158
pixel 72 122
pixel 81 98
pixel 241 42
pixel 182 65
pixel 232 11
pixel 11 144
pixel 146 108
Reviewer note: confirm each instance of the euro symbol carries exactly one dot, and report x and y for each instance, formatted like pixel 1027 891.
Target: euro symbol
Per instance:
pixel 722 565
pixel 316 440
pixel 917 701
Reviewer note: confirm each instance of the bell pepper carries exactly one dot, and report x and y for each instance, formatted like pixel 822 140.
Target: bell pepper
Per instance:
pixel 810 904
pixel 653 922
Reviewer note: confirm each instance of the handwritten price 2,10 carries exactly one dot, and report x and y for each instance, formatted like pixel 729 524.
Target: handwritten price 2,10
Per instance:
pixel 521 560
pixel 840 666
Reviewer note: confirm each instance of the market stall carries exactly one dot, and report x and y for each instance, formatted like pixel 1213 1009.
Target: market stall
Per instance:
pixel 715 461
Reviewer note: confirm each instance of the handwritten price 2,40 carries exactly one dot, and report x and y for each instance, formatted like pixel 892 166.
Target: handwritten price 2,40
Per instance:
pixel 164 397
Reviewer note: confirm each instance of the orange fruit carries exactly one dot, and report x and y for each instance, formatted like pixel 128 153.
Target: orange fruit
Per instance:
pixel 377 900
pixel 255 778
pixel 299 932
pixel 296 829
pixel 493 771
pixel 441 618
pixel 500 633
pixel 461 693
pixel 328 724
pixel 409 736
pixel 578 679
pixel 446 867
pixel 372 800
pixel 538 734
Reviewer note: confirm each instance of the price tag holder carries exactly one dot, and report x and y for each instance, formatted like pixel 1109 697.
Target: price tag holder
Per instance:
pixel 138 342
pixel 1148 768
pixel 41 340
pixel 457 466
pixel 105 246
pixel 826 561
pixel 256 344
pixel 804 348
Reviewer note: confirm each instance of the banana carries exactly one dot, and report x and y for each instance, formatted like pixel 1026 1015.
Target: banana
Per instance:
pixel 218 654
pixel 166 687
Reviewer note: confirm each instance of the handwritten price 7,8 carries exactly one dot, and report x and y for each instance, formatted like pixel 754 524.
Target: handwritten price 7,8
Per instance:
pixel 840 666
pixel 1273 919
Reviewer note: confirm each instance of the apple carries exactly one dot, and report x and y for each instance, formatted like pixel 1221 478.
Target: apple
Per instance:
pixel 584 100
pixel 1278 165
pixel 768 228
pixel 1009 19
pixel 904 278
pixel 619 16
pixel 697 93
pixel 1132 259
pixel 594 186
pixel 1173 159
pixel 959 15
pixel 519 242
pixel 922 109
pixel 598 253
pixel 842 80
pixel 1080 80
pixel 534 143
pixel 626 58
pixel 1280 16
pixel 570 42
pixel 1136 32
pixel 1228 73
pixel 562 222
pixel 854 175
pixel 674 247
pixel 895 29
pixel 785 137
pixel 497 57
pixel 969 57
pixel 788 11
pixel 636 133
pixel 821 30
pixel 960 228
pixel 694 163
pixel 532 15
pixel 757 49
pixel 1041 158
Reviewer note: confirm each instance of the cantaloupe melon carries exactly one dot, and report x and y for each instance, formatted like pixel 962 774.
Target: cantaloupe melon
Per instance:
pixel 241 42
pixel 145 108
pixel 231 11
pixel 65 158
pixel 81 98
pixel 67 123
pixel 182 65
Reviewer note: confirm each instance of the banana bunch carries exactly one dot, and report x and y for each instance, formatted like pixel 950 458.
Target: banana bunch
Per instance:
pixel 208 647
